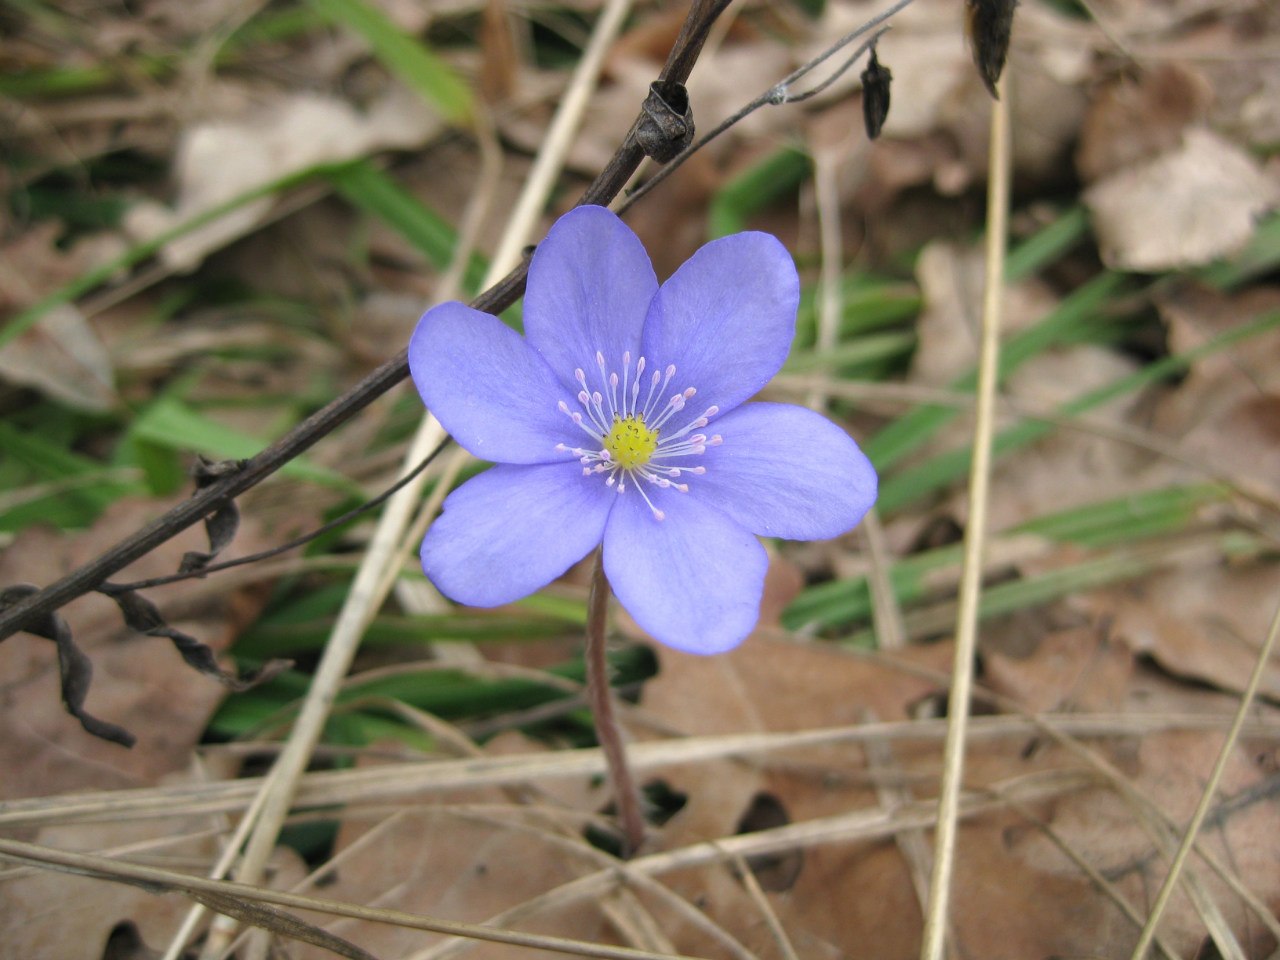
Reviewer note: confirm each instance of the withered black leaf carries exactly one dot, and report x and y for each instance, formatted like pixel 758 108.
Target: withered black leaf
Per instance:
pixel 144 616
pixel 989 24
pixel 222 524
pixel 876 79
pixel 75 669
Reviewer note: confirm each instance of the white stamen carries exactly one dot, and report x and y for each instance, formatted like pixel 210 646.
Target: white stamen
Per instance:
pixel 618 398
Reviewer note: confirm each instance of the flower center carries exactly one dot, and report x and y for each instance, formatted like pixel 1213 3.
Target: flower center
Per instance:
pixel 630 443
pixel 633 441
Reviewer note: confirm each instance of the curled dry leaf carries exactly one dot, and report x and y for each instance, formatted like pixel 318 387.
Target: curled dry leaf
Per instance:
pixel 1196 203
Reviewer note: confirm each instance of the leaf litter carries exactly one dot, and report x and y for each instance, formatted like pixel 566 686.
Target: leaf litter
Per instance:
pixel 1171 157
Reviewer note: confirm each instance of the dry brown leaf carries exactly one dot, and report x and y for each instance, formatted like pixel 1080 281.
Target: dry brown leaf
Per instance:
pixel 1143 19
pixel 140 683
pixel 62 357
pixel 768 685
pixel 1133 120
pixel 1203 621
pixel 951 281
pixel 1185 207
pixel 33 263
pixel 434 861
pixel 1224 411
pixel 1074 669
pixel 1170 770
pixel 44 913
pixel 1047 98
pixel 771 685
pixel 1247 98
pixel 222 159
pixel 858 899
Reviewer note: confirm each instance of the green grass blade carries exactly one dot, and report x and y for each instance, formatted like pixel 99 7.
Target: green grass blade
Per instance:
pixel 1047 246
pixel 168 422
pixel 84 487
pixel 404 56
pixel 866 349
pixel 370 189
pixel 1099 571
pixel 754 189
pixel 135 254
pixel 1261 255
pixel 1121 520
pixel 867 304
pixel 909 485
pixel 909 432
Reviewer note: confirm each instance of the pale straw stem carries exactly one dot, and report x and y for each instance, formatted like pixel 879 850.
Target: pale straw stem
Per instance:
pixel 371 583
pixel 1210 790
pixel 935 928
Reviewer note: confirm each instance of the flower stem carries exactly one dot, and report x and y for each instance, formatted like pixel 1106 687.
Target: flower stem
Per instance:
pixel 600 695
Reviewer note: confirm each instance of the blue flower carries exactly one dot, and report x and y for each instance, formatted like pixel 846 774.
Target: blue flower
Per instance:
pixel 619 418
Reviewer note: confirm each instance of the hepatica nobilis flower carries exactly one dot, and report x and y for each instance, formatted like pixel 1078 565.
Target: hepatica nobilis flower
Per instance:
pixel 620 418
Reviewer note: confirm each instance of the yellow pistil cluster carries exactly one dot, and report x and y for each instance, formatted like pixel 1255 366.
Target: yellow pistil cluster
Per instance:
pixel 630 443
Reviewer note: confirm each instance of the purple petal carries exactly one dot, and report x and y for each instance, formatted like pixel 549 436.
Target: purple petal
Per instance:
pixel 784 471
pixel 726 319
pixel 491 390
pixel 513 529
pixel 590 284
pixel 693 580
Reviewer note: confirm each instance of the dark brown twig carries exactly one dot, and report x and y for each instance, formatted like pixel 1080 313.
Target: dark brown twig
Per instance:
pixel 293 544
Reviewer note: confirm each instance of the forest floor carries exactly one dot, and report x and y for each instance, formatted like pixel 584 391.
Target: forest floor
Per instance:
pixel 220 216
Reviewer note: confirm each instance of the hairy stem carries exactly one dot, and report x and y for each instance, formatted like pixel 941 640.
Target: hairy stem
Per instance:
pixel 625 791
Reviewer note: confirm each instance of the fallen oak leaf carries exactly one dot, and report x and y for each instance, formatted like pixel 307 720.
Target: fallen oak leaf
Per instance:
pixel 1185 207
